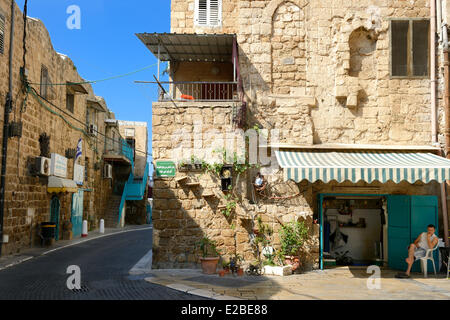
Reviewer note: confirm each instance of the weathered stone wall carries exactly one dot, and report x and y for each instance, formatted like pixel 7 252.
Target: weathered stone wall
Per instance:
pixel 27 202
pixel 318 71
pixel 141 143
pixel 182 17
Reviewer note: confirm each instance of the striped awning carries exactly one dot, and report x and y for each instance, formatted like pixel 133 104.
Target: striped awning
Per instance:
pixel 367 166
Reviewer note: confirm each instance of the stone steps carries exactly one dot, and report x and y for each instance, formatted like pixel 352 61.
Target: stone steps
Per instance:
pixel 112 212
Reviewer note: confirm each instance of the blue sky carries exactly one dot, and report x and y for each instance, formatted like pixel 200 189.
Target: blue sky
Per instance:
pixel 106 46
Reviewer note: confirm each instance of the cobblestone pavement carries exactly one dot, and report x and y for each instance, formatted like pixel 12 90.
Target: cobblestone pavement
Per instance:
pixel 104 264
pixel 341 283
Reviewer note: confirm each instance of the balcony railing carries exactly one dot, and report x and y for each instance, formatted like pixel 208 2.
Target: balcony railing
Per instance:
pixel 119 147
pixel 198 91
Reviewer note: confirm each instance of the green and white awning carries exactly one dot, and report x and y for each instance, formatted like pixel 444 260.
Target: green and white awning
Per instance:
pixel 367 166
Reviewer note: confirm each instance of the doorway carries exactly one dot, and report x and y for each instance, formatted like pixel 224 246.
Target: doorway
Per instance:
pixel 354 230
pixel 55 206
pixel 77 213
pixel 405 217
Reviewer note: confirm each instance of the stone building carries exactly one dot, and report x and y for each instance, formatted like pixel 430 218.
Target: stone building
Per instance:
pixel 58 112
pixel 355 127
pixel 135 134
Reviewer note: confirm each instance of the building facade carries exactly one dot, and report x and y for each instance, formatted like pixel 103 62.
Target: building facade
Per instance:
pixel 56 159
pixel 343 86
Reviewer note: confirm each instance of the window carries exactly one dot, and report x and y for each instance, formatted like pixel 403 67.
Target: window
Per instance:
pixel 129 132
pixel 409 48
pixel 70 102
pixel 91 116
pixel 208 13
pixel 2 34
pixel 45 81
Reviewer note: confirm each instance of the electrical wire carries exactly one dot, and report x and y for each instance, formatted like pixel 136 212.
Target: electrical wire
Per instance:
pixel 41 102
pixel 96 81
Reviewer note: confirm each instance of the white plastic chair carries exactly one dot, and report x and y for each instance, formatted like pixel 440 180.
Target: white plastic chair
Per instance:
pixel 424 261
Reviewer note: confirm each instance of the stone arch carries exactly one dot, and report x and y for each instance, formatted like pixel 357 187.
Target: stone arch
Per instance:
pixel 288 47
pixel 270 9
pixel 362 46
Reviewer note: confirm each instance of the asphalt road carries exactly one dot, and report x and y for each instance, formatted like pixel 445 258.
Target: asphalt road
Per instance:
pixel 104 265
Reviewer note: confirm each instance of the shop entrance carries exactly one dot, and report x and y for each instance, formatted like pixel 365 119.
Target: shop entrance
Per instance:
pixel 354 230
pixel 362 230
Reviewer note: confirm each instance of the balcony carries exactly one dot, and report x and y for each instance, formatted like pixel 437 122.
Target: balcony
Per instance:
pixel 203 67
pixel 118 151
pixel 198 91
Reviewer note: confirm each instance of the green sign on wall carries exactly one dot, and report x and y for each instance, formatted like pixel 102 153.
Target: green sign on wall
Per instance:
pixel 165 169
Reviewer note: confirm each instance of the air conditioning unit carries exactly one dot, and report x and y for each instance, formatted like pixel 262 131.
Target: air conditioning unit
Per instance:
pixel 93 130
pixel 107 171
pixel 43 166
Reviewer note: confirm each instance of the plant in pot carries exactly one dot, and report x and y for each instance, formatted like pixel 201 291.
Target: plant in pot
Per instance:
pixel 210 255
pixel 292 237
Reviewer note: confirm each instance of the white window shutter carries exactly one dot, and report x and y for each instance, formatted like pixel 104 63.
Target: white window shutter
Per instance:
pixel 208 13
pixel 201 12
pixel 214 13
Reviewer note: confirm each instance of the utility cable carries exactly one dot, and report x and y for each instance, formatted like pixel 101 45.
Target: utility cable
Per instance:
pixel 41 102
pixel 96 81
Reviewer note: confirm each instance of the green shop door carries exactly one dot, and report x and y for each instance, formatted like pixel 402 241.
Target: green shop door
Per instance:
pixel 399 230
pixel 408 216
pixel 55 206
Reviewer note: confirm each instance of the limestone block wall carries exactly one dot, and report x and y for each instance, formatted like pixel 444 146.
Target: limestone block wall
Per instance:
pixel 141 143
pixel 375 108
pixel 27 202
pixel 182 17
pixel 182 213
pixel 318 71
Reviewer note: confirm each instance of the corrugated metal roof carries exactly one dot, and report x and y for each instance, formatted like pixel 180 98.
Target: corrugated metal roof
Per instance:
pixel 190 47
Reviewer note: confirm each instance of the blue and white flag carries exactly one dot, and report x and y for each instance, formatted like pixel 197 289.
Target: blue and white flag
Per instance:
pixel 79 150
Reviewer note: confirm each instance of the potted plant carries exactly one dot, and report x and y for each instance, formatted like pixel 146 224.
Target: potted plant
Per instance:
pixel 292 237
pixel 210 256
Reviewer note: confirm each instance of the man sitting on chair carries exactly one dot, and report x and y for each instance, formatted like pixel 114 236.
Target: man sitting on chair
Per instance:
pixel 418 249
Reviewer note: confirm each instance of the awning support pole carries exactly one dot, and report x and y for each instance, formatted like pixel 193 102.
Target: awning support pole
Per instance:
pixel 234 69
pixel 444 212
pixel 159 58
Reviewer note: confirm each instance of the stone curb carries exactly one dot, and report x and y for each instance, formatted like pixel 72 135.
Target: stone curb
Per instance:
pixel 77 242
pixel 205 293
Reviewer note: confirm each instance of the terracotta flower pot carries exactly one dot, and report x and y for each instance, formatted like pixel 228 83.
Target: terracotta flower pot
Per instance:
pixel 294 261
pixel 222 273
pixel 240 272
pixel 209 265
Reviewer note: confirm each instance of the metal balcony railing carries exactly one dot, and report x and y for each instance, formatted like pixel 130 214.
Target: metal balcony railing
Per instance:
pixel 119 147
pixel 198 91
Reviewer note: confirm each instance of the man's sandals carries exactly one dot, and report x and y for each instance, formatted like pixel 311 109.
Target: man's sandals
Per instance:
pixel 402 275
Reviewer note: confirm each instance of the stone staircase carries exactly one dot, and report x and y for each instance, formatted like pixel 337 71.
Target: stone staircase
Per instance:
pixel 112 212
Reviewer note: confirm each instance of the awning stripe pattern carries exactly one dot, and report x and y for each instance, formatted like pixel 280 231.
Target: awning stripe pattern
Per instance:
pixel 367 166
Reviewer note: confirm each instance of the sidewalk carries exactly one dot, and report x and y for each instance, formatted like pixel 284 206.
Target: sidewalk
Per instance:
pixel 340 283
pixel 27 254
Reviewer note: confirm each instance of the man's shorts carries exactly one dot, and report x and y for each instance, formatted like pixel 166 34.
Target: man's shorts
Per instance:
pixel 420 253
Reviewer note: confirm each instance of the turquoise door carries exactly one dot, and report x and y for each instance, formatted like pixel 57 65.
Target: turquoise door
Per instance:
pixel 55 206
pixel 424 211
pixel 399 230
pixel 77 213
pixel 408 216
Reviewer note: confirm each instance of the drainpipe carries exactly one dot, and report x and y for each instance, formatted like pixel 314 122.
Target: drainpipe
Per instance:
pixel 447 124
pixel 433 71
pixel 439 18
pixel 8 107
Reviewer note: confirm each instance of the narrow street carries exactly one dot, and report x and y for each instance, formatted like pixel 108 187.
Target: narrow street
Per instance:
pixel 104 265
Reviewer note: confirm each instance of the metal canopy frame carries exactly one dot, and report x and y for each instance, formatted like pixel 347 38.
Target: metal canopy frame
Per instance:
pixel 189 47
